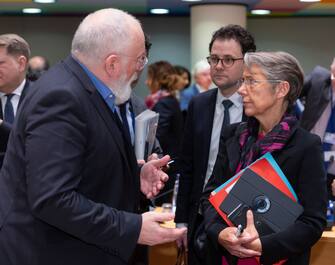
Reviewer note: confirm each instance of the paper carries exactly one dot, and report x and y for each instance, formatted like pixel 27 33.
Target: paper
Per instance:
pixel 145 133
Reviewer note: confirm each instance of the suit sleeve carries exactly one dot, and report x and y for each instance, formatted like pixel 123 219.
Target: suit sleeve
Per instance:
pixel 214 224
pixel 56 135
pixel 311 191
pixel 186 169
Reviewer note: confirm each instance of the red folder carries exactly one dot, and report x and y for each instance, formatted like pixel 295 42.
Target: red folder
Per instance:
pixel 268 169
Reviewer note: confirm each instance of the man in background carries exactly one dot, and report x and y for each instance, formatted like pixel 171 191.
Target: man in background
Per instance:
pixel 208 114
pixel 202 82
pixel 37 66
pixel 70 184
pixel 318 116
pixel 14 56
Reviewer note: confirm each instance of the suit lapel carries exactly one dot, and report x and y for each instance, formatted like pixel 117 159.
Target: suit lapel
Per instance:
pixel 101 107
pixel 24 91
pixel 208 109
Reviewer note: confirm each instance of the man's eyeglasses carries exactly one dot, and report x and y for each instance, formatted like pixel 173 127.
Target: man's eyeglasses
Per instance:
pixel 251 83
pixel 226 61
pixel 141 61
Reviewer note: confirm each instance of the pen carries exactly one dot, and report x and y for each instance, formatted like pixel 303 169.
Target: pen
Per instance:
pixel 239 230
pixel 170 162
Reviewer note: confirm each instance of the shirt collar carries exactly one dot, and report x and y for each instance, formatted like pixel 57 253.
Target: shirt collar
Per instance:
pixel 18 90
pixel 235 98
pixel 103 90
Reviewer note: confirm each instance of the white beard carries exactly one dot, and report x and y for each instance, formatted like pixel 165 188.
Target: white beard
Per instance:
pixel 122 90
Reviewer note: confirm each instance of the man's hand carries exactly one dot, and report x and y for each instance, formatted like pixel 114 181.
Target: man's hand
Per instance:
pixel 243 246
pixel 153 156
pixel 152 233
pixel 153 177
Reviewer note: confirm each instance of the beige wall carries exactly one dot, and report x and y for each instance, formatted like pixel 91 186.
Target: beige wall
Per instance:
pixel 311 40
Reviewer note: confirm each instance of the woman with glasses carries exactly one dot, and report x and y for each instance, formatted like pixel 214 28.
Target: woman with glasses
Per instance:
pixel 271 83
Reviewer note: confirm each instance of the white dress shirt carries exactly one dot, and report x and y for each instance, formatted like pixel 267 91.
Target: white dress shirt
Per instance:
pixel 15 99
pixel 235 113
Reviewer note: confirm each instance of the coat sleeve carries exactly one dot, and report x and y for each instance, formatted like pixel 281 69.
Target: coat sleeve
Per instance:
pixel 186 169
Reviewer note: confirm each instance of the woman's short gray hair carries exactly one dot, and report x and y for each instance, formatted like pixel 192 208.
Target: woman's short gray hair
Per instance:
pixel 103 32
pixel 279 66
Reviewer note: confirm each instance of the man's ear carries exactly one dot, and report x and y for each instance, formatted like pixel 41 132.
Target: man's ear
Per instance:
pixel 22 61
pixel 283 89
pixel 112 65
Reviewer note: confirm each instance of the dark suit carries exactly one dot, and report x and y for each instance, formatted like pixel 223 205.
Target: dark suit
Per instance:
pixel 68 184
pixel 169 132
pixel 6 127
pixel 317 95
pixel 194 160
pixel 301 161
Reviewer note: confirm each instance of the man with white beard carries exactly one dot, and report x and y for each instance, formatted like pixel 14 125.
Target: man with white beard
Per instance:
pixel 70 183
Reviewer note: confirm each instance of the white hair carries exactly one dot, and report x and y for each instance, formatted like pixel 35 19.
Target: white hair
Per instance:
pixel 103 32
pixel 200 66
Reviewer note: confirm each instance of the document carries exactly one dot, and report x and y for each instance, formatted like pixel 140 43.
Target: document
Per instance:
pixel 145 133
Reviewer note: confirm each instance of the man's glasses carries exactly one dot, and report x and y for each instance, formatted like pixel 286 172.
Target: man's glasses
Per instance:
pixel 226 61
pixel 141 61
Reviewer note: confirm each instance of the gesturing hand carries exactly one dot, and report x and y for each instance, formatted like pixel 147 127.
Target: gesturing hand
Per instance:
pixel 153 177
pixel 152 233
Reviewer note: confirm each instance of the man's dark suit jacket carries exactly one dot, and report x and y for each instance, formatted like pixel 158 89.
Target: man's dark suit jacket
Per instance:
pixel 6 127
pixel 68 184
pixel 317 94
pixel 194 156
pixel 302 163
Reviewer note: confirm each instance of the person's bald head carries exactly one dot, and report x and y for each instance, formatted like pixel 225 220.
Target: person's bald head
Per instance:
pixel 104 32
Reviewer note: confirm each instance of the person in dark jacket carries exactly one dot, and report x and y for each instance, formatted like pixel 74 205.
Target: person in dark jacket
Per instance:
pixel 271 84
pixel 163 78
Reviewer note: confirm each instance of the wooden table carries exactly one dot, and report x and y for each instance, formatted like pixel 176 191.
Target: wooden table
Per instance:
pixel 323 252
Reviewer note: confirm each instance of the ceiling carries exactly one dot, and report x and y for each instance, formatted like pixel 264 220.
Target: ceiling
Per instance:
pixel 176 7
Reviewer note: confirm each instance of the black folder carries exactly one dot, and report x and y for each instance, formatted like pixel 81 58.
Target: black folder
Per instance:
pixel 273 210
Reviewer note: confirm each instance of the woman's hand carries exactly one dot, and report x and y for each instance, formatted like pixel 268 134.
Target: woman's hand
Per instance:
pixel 243 246
pixel 251 232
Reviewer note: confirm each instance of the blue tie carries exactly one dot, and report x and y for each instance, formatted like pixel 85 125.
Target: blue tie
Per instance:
pixel 226 117
pixel 9 110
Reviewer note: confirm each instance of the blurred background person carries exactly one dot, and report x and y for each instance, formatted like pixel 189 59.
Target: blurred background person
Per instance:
pixel 272 81
pixel 185 74
pixel 318 116
pixel 162 78
pixel 202 82
pixel 208 115
pixel 14 56
pixel 37 66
